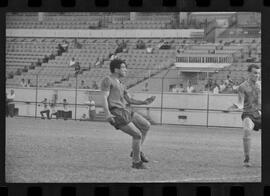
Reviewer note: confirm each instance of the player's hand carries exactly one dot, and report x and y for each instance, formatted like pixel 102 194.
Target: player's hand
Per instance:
pixel 234 108
pixel 110 119
pixel 150 100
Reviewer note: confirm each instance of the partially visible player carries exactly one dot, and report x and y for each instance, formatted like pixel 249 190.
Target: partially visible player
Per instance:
pixel 131 123
pixel 249 100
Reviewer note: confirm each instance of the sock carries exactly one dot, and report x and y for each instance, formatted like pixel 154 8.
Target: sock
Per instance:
pixel 246 145
pixel 136 148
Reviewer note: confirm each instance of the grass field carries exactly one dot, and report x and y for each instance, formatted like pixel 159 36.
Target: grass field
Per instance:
pixel 72 151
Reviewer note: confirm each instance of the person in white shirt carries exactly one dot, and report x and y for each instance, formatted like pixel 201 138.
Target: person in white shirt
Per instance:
pixel 11 105
pixel 216 90
pixel 190 88
pixel 91 108
pixel 45 110
pixel 222 86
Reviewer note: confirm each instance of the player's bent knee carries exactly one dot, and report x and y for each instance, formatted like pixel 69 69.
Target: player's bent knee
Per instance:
pixel 137 136
pixel 248 125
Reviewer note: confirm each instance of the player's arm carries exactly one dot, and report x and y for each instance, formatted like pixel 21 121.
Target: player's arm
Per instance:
pixel 238 106
pixel 105 88
pixel 138 102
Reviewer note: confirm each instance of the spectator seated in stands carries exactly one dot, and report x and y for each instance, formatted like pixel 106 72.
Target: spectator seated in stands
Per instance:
pixel 23 83
pixel 59 50
pixel 77 45
pixel 178 88
pixel 140 44
pixel 209 85
pixel 25 69
pixel 29 84
pixel 18 72
pixel 124 46
pixel 45 109
pixel 65 46
pixel 82 85
pixel 95 85
pixel 165 45
pixel 51 56
pixel 222 86
pixel 10 75
pixel 99 62
pixel 228 81
pixel 72 62
pixel 45 59
pixel 180 49
pixel 211 51
pixel 121 47
pixel 32 66
pixel 149 49
pixel 39 62
pixel 77 68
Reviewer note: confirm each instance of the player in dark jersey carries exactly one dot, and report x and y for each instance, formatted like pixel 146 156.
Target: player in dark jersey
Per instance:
pixel 249 100
pixel 132 123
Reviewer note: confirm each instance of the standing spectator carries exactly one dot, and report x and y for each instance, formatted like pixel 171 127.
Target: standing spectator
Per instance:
pixel 65 109
pixel 23 83
pixel 45 109
pixel 190 88
pixel 53 104
pixel 91 108
pixel 95 85
pixel 149 49
pixel 11 105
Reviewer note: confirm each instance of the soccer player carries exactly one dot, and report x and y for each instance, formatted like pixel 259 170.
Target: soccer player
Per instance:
pixel 131 123
pixel 249 99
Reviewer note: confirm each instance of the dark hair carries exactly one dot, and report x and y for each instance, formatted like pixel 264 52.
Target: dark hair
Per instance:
pixel 250 67
pixel 116 64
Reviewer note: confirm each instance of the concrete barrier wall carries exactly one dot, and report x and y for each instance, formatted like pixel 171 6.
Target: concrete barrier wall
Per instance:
pixel 184 108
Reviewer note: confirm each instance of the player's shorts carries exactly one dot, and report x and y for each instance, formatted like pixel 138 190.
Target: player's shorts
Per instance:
pixel 122 117
pixel 256 119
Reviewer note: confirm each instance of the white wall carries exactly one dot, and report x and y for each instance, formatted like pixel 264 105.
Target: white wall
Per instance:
pixel 174 105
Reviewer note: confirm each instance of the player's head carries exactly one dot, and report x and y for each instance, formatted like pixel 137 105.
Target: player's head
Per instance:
pixel 118 67
pixel 254 72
